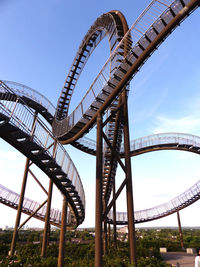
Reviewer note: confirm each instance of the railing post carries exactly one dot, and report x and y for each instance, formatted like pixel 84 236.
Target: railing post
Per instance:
pixel 47 219
pixel 99 173
pixel 61 255
pixel 129 190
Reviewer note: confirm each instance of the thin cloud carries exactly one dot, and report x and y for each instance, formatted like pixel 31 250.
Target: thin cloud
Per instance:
pixel 186 124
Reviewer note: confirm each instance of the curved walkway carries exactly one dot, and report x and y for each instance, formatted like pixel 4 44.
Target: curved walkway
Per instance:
pixel 11 199
pixel 158 20
pixel 29 135
pixel 180 202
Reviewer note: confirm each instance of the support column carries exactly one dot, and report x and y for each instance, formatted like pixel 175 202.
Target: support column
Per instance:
pixel 114 218
pixel 21 199
pixel 105 243
pixel 99 172
pixel 129 190
pixel 180 230
pixel 109 234
pixel 61 255
pixel 47 218
pixel 19 210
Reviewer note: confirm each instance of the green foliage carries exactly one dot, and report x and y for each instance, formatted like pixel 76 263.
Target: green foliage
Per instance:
pixel 150 262
pixel 81 254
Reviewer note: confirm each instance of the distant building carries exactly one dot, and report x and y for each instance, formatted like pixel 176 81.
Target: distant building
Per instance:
pixel 123 230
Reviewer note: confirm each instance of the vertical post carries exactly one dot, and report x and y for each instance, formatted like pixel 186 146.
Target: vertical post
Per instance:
pixel 180 230
pixel 47 218
pixel 62 233
pixel 114 217
pixel 21 199
pixel 105 234
pixel 129 190
pixel 105 247
pixel 19 210
pixel 109 234
pixel 99 173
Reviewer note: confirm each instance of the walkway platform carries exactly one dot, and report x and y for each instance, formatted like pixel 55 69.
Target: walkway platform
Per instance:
pixel 184 259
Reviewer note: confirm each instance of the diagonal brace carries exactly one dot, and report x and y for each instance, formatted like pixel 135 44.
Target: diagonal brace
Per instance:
pixel 115 198
pixel 32 214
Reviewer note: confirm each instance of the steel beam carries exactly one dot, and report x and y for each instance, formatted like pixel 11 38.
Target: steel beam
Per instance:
pixel 180 230
pixel 47 219
pixel 114 216
pixel 19 210
pixel 37 181
pixel 109 234
pixel 105 239
pixel 99 208
pixel 21 199
pixel 129 189
pixel 115 197
pixel 32 215
pixel 61 254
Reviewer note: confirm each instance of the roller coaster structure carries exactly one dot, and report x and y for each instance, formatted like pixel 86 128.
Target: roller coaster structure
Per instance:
pixel 22 128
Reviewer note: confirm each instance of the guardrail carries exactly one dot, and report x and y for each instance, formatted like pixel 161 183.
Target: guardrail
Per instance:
pixel 11 199
pixel 182 201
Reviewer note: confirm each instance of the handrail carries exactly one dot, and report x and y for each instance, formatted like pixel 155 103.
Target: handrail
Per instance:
pixel 11 199
pixel 142 144
pixel 179 202
pixel 23 90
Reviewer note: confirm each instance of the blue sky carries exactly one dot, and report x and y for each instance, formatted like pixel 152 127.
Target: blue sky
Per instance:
pixel 39 40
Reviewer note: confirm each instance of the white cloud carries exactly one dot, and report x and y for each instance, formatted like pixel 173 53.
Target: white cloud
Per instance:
pixel 186 124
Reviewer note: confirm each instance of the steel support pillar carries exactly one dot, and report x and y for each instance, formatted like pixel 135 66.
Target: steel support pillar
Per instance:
pixel 109 234
pixel 19 210
pixel 180 230
pixel 114 217
pixel 21 199
pixel 61 254
pixel 105 241
pixel 129 190
pixel 99 173
pixel 47 218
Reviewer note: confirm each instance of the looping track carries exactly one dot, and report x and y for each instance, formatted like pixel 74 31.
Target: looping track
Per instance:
pixel 114 26
pixel 149 31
